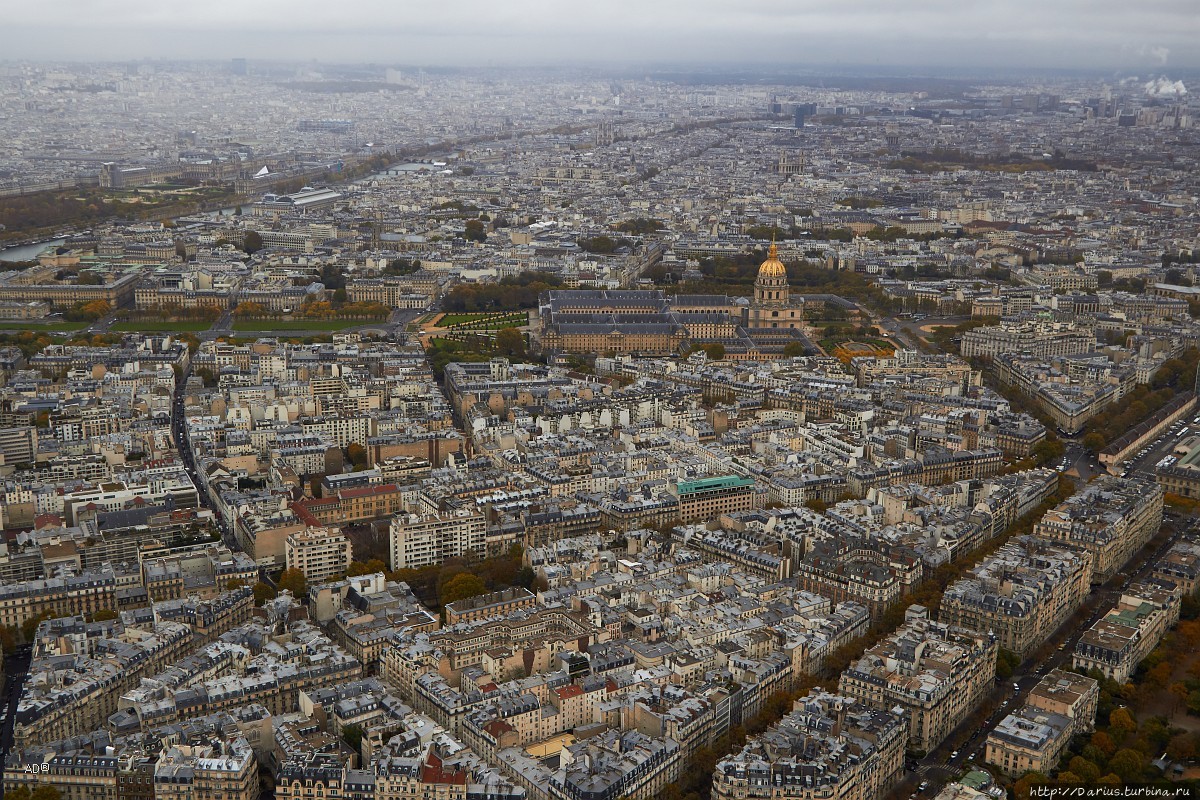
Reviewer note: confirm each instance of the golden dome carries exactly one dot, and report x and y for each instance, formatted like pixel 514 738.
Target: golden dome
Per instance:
pixel 772 267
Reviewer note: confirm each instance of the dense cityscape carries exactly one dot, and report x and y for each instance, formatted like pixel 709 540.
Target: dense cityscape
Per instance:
pixel 381 433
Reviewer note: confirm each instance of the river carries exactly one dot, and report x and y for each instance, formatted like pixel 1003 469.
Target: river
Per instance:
pixel 27 252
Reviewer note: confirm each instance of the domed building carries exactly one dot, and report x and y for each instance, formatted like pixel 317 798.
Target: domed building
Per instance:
pixel 649 322
pixel 772 306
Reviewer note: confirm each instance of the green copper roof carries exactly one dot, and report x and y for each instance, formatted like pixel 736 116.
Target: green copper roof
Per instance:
pixel 711 484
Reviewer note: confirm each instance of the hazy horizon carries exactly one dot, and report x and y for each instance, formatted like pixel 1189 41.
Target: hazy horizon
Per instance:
pixel 1150 38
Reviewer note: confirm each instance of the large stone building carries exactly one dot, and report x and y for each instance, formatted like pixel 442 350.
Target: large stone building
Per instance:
pixel 1181 476
pixel 934 672
pixel 638 321
pixel 1112 518
pixel 1039 339
pixel 39 285
pixel 1181 566
pixel 773 306
pixel 829 746
pixel 1117 643
pixel 225 769
pixel 866 570
pixel 1021 593
pixel 1034 737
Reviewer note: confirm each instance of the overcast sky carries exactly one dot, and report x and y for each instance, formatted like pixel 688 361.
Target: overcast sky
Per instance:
pixel 1145 35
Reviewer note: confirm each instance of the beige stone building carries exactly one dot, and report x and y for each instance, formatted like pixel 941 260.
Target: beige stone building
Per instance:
pixel 318 552
pixel 828 748
pixel 936 673
pixel 1021 593
pixel 1034 737
pixel 1112 518
pixel 218 770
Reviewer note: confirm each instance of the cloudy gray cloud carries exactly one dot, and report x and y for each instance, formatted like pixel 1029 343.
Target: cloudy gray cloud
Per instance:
pixel 1046 33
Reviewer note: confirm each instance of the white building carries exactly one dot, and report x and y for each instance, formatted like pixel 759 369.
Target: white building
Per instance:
pixel 318 552
pixel 418 540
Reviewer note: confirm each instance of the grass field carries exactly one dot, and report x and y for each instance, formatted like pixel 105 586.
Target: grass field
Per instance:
pixel 318 338
pixel 300 324
pixel 33 327
pixel 161 326
pixel 487 321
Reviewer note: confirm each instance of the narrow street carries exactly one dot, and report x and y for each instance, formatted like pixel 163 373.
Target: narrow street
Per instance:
pixel 16 669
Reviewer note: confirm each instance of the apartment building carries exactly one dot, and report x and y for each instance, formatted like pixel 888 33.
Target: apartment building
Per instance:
pixel 708 498
pixel 1181 565
pixel 936 673
pixel 1021 593
pixel 1117 643
pixel 1111 519
pixel 492 604
pixel 62 296
pixel 215 770
pixel 1039 339
pixel 828 746
pixel 1034 737
pixel 418 540
pixel 58 597
pixel 318 552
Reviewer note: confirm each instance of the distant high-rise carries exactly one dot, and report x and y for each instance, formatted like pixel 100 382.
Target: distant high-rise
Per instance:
pixel 238 66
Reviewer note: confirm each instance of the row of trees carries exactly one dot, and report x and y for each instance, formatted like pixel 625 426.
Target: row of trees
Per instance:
pixel 316 309
pixel 603 245
pixel 1122 748
pixel 638 226
pixel 512 293
pixel 27 342
pixel 175 311
pixel 696 782
pixel 1175 375
pixel 942 158
pixel 401 266
pixel 30 212
pixel 475 348
pixel 292 580
pixel 89 311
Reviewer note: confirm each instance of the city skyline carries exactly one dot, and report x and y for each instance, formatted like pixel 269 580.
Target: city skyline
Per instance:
pixel 668 421
pixel 1151 38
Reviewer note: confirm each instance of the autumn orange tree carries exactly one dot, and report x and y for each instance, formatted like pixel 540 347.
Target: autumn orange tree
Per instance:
pixel 247 308
pixel 294 581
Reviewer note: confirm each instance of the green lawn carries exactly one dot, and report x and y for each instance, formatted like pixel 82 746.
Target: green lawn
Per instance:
pixel 301 324
pixel 161 326
pixel 51 327
pixel 488 321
